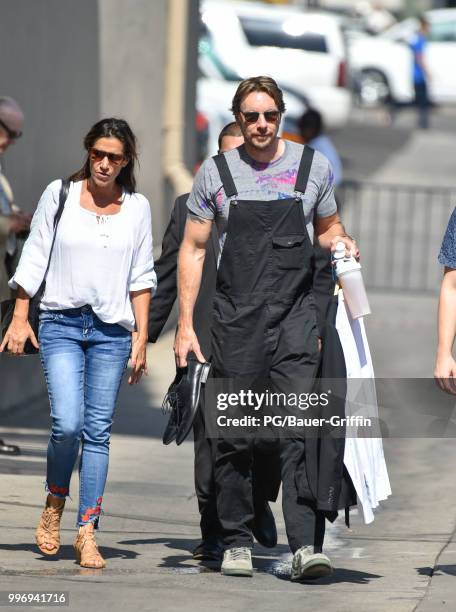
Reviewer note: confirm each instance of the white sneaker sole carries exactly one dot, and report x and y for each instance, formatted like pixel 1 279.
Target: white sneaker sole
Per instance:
pixel 237 572
pixel 314 568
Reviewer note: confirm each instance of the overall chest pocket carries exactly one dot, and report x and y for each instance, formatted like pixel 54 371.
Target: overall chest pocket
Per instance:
pixel 289 252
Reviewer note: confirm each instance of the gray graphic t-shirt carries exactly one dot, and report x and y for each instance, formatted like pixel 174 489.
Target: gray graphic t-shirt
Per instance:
pixel 261 181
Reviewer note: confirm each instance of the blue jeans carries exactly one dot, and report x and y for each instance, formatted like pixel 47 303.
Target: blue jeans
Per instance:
pixel 83 361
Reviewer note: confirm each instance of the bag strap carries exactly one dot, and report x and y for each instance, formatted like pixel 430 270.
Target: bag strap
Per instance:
pixel 63 195
pixel 225 175
pixel 304 169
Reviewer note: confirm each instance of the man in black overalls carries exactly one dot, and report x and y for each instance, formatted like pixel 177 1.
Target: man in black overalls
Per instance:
pixel 264 312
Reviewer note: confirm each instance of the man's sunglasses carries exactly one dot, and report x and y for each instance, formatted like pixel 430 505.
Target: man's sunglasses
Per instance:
pixel 98 155
pixel 12 134
pixel 271 116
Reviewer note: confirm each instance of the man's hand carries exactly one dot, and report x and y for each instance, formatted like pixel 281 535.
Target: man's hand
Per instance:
pixel 351 250
pixel 330 231
pixel 445 373
pixel 185 342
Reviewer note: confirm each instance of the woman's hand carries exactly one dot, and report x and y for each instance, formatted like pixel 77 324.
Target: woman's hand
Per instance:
pixel 138 358
pixel 17 335
pixel 445 373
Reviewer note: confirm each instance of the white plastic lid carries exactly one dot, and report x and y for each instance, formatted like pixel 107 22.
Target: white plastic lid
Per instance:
pixel 339 253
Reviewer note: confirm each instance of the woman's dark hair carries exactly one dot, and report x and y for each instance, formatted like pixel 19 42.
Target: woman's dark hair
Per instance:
pixel 112 128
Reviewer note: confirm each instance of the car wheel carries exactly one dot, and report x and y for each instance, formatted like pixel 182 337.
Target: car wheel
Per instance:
pixel 372 88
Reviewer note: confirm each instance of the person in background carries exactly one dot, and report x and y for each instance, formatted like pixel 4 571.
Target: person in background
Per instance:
pixel 421 76
pixel 445 366
pixel 266 477
pixel 96 301
pixel 312 133
pixel 13 222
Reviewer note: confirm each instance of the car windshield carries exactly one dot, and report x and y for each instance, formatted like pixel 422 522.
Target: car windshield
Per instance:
pixel 210 59
pixel 289 34
pixel 443 31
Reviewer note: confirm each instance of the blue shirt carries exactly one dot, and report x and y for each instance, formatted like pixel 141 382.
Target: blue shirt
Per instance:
pixel 447 255
pixel 323 144
pixel 418 46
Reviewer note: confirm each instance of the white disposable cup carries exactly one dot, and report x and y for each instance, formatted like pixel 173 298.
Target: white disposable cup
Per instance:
pixel 354 292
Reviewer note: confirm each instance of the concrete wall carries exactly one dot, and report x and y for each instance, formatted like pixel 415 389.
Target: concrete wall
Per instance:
pixel 49 63
pixel 69 64
pixel 132 40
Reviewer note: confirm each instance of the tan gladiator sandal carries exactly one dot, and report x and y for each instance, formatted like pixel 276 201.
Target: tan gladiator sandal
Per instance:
pixel 86 548
pixel 48 531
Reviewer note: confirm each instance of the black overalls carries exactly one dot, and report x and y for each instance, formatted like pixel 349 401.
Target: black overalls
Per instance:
pixel 264 325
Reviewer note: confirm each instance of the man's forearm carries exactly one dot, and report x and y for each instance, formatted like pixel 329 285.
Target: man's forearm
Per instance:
pixel 336 229
pixel 189 272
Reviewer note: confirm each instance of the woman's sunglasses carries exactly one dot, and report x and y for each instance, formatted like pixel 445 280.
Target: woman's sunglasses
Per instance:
pixel 271 116
pixel 98 155
pixel 12 134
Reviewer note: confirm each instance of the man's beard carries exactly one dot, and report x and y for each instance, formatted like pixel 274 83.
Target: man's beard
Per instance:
pixel 262 144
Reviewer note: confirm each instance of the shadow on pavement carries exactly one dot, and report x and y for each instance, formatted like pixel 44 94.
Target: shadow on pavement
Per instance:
pixel 66 552
pixel 339 576
pixel 178 562
pixel 438 570
pixel 174 543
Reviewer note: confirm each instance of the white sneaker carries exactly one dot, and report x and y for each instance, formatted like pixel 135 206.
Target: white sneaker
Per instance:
pixel 237 562
pixel 307 564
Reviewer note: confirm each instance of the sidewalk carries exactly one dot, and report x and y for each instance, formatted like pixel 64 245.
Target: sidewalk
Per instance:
pixel 404 561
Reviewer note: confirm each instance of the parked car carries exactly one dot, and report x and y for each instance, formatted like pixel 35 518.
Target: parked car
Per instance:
pixel 302 51
pixel 382 65
pixel 215 90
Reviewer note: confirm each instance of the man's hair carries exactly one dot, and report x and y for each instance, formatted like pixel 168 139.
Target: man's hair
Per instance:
pixel 9 105
pixel 311 120
pixel 230 129
pixel 259 83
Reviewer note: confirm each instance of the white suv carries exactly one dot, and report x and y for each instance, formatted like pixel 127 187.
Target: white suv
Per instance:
pixel 382 64
pixel 216 87
pixel 303 51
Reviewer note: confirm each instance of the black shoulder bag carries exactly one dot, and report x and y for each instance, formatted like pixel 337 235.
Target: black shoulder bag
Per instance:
pixel 7 306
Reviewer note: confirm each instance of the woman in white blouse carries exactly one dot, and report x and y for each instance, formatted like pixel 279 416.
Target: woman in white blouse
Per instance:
pixel 94 312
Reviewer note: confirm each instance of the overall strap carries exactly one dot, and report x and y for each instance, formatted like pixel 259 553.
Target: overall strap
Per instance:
pixel 225 175
pixel 304 169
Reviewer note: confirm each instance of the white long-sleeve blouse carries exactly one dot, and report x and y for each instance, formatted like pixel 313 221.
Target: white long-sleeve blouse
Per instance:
pixel 96 260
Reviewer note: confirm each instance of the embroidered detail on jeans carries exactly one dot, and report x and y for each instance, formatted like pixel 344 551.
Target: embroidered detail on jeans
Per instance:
pixel 56 490
pixel 92 512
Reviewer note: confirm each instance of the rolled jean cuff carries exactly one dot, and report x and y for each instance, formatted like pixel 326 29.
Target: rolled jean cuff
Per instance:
pixel 91 515
pixel 57 491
